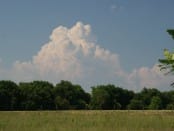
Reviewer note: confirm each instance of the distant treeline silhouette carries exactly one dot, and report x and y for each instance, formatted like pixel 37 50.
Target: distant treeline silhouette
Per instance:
pixel 42 95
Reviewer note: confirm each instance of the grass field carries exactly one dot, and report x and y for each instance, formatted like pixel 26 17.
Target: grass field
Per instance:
pixel 87 121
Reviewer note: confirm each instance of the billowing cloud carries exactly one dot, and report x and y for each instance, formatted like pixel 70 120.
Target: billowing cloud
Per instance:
pixel 149 77
pixel 72 54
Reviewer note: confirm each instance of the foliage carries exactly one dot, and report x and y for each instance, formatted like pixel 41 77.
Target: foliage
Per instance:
pixel 9 93
pixel 147 94
pixel 171 32
pixel 156 103
pixel 136 105
pixel 110 97
pixel 42 95
pixel 100 98
pixel 36 95
pixel 73 96
pixel 168 62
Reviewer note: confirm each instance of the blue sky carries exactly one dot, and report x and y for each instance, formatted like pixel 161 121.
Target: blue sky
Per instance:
pixel 133 31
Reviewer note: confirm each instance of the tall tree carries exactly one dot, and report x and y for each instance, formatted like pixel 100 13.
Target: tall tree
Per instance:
pixel 36 95
pixel 110 97
pixel 100 98
pixel 156 103
pixel 146 95
pixel 136 104
pixel 70 96
pixel 9 93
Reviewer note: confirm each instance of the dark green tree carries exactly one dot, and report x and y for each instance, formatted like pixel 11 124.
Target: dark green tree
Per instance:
pixel 146 95
pixel 44 97
pixel 156 103
pixel 9 93
pixel 61 103
pixel 110 97
pixel 100 98
pixel 27 96
pixel 73 96
pixel 36 95
pixel 167 98
pixel 136 104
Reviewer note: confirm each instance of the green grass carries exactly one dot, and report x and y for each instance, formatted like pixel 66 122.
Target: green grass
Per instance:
pixel 87 121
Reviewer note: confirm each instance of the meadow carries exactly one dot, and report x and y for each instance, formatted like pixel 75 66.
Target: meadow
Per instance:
pixel 89 120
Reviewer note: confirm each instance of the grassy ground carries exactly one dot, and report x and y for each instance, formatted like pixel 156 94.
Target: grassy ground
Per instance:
pixel 87 121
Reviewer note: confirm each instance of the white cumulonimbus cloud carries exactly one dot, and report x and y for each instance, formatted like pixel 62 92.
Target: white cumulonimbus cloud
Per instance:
pixel 72 54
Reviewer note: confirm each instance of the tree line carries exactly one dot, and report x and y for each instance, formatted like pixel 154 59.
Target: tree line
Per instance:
pixel 42 95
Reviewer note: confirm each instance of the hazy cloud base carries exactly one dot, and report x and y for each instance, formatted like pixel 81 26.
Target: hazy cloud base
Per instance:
pixel 72 54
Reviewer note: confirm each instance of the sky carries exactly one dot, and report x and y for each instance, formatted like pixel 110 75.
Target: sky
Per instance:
pixel 88 42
